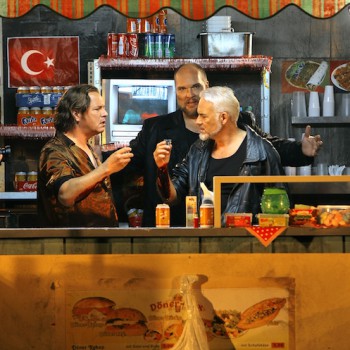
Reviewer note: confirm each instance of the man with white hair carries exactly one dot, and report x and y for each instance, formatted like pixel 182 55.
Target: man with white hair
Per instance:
pixel 224 148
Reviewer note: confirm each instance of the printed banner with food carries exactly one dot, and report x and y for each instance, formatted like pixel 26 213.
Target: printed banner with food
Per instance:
pixel 254 315
pixel 304 74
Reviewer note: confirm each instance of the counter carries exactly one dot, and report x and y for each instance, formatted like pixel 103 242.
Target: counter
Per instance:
pixel 169 241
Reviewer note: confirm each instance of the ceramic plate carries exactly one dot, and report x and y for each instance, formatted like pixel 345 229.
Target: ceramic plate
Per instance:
pixel 341 77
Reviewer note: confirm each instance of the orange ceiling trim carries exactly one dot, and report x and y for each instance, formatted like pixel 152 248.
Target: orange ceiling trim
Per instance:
pixel 191 9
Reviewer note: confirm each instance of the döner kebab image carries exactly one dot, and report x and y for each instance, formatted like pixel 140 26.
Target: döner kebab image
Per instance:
pixel 126 321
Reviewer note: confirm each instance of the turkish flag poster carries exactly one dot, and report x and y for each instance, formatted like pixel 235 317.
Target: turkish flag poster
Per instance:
pixel 43 61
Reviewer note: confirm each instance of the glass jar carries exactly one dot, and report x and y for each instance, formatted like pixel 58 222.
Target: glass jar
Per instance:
pixel 275 201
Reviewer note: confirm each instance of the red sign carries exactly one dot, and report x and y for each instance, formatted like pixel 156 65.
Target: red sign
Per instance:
pixel 43 61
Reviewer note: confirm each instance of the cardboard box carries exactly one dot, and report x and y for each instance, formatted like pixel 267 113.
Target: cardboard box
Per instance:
pixel 238 219
pixel 268 220
pixel 37 100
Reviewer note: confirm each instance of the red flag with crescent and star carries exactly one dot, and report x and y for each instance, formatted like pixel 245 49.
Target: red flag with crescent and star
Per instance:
pixel 43 61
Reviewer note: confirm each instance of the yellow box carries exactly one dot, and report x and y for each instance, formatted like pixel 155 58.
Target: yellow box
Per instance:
pixel 191 210
pixel 267 220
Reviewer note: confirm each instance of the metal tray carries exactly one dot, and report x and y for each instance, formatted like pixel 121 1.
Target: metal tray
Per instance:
pixel 225 44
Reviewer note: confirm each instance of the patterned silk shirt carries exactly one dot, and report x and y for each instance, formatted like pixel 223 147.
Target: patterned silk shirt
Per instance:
pixel 61 160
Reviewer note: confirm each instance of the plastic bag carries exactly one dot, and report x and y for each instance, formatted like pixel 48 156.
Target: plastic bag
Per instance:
pixel 193 336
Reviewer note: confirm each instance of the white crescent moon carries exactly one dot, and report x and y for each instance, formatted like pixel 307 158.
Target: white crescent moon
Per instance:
pixel 24 62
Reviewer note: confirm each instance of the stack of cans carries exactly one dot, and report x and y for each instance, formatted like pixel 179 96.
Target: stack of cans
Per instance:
pixel 145 38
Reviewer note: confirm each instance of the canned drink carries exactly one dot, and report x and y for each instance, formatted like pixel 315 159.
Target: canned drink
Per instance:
pixel 35 110
pixel 57 89
pixel 155 23
pixel 146 25
pixel 34 89
pixel 206 213
pixel 122 49
pixel 158 45
pixel 46 89
pixel 169 45
pixel 162 215
pixel 32 176
pixel 132 25
pixel 20 178
pixel 23 90
pixel 163 21
pixel 23 111
pixel 47 110
pixel 146 45
pixel 133 45
pixel 112 42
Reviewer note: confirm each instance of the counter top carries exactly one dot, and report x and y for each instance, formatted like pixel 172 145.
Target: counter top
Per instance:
pixel 14 233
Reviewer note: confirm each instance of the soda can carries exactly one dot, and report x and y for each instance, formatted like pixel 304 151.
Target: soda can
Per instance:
pixel 57 89
pixel 133 45
pixel 47 110
pixel 155 27
pixel 34 89
pixel 46 89
pixel 158 45
pixel 146 25
pixel 23 111
pixel 32 176
pixel 35 110
pixel 146 45
pixel 122 45
pixel 23 90
pixel 132 25
pixel 20 178
pixel 206 214
pixel 163 21
pixel 112 42
pixel 162 215
pixel 169 45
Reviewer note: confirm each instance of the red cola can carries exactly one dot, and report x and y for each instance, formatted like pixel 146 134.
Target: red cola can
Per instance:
pixel 122 49
pixel 112 41
pixel 133 45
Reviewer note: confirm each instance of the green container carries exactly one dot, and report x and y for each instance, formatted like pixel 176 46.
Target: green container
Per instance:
pixel 275 201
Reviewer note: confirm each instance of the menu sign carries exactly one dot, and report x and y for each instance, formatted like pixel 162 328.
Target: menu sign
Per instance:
pixel 253 317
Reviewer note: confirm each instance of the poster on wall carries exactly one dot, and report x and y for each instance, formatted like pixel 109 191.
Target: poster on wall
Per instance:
pixel 43 61
pixel 304 75
pixel 254 315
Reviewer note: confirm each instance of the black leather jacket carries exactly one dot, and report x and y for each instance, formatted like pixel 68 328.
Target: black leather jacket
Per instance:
pixel 261 159
pixel 172 126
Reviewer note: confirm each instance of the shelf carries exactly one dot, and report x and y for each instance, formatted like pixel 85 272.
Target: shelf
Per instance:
pixel 18 195
pixel 29 132
pixel 252 63
pixel 320 120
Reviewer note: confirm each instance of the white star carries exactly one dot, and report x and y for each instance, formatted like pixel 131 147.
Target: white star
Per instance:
pixel 49 62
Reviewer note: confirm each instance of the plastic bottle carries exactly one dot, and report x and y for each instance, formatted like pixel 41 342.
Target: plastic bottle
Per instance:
pixel 206 210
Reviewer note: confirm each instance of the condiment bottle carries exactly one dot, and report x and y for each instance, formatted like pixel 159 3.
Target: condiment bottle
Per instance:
pixel 206 210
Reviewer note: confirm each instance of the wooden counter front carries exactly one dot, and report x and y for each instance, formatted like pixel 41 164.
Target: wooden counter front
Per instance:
pixel 169 241
pixel 34 290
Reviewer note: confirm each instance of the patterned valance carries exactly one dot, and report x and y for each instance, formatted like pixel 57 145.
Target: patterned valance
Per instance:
pixel 191 9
